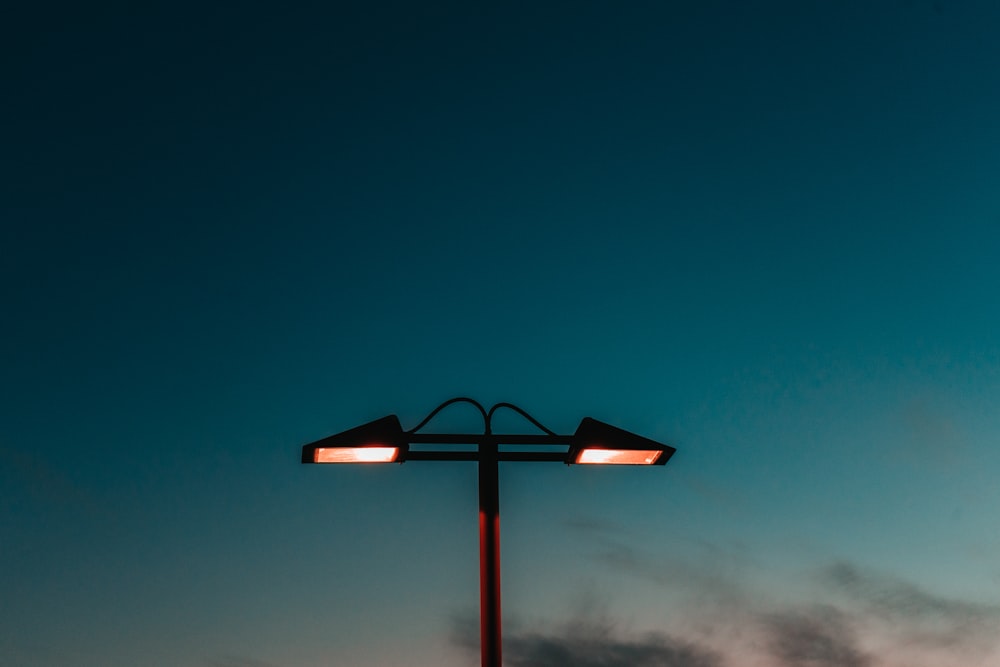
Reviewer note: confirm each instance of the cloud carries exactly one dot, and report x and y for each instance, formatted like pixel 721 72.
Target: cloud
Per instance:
pixel 920 616
pixel 586 642
pixel 538 650
pixel 821 636
pixel 706 575
pixel 713 613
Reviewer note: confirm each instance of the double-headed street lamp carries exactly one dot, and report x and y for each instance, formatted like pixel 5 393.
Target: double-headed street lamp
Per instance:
pixel 385 441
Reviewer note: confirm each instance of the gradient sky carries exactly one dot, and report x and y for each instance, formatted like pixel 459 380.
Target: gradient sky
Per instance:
pixel 764 232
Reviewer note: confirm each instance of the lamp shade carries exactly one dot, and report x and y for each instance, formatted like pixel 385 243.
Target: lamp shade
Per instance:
pixel 380 441
pixel 598 443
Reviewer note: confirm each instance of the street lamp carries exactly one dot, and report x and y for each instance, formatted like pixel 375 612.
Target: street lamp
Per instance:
pixel 385 441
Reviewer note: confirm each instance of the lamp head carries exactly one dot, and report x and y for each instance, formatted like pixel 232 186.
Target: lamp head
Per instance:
pixel 598 443
pixel 380 441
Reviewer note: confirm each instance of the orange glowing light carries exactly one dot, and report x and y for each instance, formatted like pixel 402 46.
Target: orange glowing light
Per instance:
pixel 356 454
pixel 635 457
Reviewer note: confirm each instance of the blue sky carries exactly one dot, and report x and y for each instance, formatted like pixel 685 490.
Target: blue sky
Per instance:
pixel 764 234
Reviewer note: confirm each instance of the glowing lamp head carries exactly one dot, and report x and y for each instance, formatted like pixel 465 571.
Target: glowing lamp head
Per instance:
pixel 598 443
pixel 637 457
pixel 380 441
pixel 370 454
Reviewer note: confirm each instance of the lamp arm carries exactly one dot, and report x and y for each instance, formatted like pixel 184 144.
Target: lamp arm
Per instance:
pixel 511 406
pixel 459 399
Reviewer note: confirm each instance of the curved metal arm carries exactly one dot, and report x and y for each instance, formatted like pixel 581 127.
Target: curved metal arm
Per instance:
pixel 459 399
pixel 511 406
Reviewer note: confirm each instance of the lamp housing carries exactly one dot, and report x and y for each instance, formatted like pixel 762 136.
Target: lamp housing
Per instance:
pixel 379 441
pixel 598 443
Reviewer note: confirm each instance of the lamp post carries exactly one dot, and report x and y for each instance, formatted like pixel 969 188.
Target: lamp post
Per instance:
pixel 385 441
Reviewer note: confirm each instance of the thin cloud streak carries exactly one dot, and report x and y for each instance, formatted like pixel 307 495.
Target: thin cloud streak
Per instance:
pixel 816 637
pixel 856 617
pixel 536 650
pixel 589 643
pixel 918 616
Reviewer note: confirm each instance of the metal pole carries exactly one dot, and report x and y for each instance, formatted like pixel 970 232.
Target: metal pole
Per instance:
pixel 489 553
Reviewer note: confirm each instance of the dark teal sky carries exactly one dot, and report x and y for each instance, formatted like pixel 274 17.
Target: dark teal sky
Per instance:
pixel 763 232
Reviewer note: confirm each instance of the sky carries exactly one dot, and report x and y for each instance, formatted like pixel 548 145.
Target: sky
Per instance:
pixel 763 232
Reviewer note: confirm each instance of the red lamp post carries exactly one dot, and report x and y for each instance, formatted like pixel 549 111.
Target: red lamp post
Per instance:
pixel 385 441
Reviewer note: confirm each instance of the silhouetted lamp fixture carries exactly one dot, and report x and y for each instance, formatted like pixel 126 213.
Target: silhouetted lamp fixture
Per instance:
pixel 380 441
pixel 385 441
pixel 597 442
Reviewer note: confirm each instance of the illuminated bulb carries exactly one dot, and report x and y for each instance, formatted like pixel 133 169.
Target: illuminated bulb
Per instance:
pixel 619 456
pixel 356 454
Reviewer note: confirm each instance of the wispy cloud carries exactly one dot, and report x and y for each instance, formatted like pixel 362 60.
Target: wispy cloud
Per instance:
pixel 915 614
pixel 856 617
pixel 588 642
pixel 708 575
pixel 820 636
pixel 536 650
